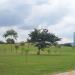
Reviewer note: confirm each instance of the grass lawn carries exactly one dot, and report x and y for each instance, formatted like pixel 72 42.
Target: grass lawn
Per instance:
pixel 58 60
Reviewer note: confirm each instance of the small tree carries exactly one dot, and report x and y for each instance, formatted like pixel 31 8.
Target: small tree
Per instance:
pixel 42 39
pixel 10 41
pixel 17 47
pixel 12 34
pixel 22 44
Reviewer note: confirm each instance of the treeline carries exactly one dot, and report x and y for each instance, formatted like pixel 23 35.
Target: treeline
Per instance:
pixel 40 38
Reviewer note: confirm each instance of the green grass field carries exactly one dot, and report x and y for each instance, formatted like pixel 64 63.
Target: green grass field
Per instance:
pixel 58 60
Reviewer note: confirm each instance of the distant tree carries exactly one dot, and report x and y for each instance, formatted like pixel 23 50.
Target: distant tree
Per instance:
pixel 22 44
pixel 28 42
pixel 42 39
pixel 10 41
pixel 24 47
pixel 67 44
pixel 12 34
pixel 17 47
pixel 2 42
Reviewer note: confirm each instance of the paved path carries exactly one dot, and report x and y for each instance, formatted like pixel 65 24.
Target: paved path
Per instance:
pixel 67 73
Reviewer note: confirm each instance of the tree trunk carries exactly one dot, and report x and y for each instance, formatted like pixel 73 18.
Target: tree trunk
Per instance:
pixel 11 47
pixel 11 44
pixel 38 52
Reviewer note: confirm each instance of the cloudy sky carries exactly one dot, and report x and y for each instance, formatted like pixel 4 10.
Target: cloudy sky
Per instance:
pixel 58 16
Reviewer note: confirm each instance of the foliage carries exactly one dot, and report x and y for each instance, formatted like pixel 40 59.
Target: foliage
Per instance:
pixel 42 38
pixel 10 41
pixel 67 44
pixel 22 43
pixel 11 33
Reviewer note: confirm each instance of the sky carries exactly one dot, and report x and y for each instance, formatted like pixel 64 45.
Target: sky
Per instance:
pixel 58 16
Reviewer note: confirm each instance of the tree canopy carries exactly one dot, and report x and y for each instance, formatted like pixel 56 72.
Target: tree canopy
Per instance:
pixel 11 33
pixel 10 41
pixel 42 38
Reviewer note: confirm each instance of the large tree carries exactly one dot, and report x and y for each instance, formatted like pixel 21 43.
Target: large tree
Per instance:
pixel 42 39
pixel 10 35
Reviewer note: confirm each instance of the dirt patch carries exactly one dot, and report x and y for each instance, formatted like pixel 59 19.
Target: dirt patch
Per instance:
pixel 66 73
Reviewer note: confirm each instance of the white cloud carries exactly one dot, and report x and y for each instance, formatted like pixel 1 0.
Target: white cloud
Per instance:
pixel 56 15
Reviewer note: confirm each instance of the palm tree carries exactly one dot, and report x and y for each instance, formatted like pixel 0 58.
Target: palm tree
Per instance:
pixel 12 34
